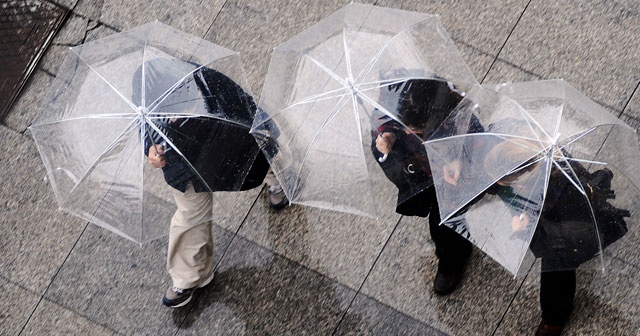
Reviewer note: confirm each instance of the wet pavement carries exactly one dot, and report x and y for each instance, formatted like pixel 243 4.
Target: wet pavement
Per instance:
pixel 26 29
pixel 304 271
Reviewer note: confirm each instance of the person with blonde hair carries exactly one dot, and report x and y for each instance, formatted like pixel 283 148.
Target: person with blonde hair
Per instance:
pixel 564 236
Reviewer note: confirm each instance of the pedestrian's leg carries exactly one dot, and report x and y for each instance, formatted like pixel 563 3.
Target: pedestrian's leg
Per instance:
pixel 275 193
pixel 452 250
pixel 557 291
pixel 190 252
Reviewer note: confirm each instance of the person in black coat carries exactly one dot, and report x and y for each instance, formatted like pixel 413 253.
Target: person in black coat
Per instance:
pixel 422 106
pixel 565 236
pixel 195 133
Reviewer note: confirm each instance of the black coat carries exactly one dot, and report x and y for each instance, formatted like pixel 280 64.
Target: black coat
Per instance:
pixel 566 235
pixel 423 103
pixel 220 153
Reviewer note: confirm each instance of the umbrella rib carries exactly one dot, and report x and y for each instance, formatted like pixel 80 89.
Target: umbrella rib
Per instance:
pixel 97 160
pixel 378 106
pixel 561 112
pixel 143 76
pixel 373 85
pixel 356 115
pixel 465 135
pixel 91 116
pixel 527 242
pixel 587 132
pixel 584 194
pixel 324 125
pixel 127 101
pixel 162 115
pixel 482 190
pixel 367 68
pixel 587 161
pixel 170 90
pixel 577 183
pixel 529 118
pixel 327 70
pixel 332 94
pixel 163 96
pixel 174 147
pixel 346 54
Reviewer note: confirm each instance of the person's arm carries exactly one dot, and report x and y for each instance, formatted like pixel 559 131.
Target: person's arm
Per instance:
pixel 156 156
pixel 154 150
pixel 385 150
pixel 452 169
pixel 384 143
pixel 522 209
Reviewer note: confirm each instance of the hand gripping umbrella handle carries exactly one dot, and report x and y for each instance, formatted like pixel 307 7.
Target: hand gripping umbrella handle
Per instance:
pixel 383 158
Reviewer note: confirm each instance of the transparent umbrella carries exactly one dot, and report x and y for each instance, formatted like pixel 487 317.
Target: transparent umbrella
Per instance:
pixel 151 86
pixel 329 87
pixel 546 173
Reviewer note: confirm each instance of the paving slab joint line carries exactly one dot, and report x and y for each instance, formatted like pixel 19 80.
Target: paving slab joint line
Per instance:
pixel 513 298
pixel 633 93
pixel 373 265
pixel 53 278
pixel 505 41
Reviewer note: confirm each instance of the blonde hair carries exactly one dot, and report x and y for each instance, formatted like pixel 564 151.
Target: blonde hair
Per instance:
pixel 512 153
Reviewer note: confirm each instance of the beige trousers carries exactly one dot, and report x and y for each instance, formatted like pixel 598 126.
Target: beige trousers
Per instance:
pixel 190 254
pixel 271 178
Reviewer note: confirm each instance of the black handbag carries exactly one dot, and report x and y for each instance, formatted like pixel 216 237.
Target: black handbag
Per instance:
pixel 565 235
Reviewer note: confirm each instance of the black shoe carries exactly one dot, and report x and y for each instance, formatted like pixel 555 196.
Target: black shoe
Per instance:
pixel 447 281
pixel 545 329
pixel 177 297
pixel 277 197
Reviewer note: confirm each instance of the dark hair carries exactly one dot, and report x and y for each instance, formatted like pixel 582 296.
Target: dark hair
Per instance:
pixel 420 98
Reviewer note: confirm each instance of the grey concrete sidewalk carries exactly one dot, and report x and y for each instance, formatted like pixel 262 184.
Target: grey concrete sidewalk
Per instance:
pixel 305 271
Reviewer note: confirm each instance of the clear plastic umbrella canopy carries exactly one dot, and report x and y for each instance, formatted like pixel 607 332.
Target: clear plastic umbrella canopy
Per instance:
pixel 537 170
pixel 113 98
pixel 327 87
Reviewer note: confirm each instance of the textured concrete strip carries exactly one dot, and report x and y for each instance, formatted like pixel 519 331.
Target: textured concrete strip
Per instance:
pixel 605 304
pixel 403 279
pixel 191 16
pixel 367 316
pixel 18 305
pixel 118 284
pixel 341 246
pixel 255 27
pixel 35 237
pixel 481 27
pixel 257 292
pixel 591 44
pixel 631 114
pixel 51 319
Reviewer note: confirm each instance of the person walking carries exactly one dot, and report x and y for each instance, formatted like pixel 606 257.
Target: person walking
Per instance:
pixel 199 157
pixel 422 106
pixel 565 236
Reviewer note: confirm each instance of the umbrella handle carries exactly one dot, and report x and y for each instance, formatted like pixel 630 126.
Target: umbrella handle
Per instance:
pixel 383 158
pixel 165 146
